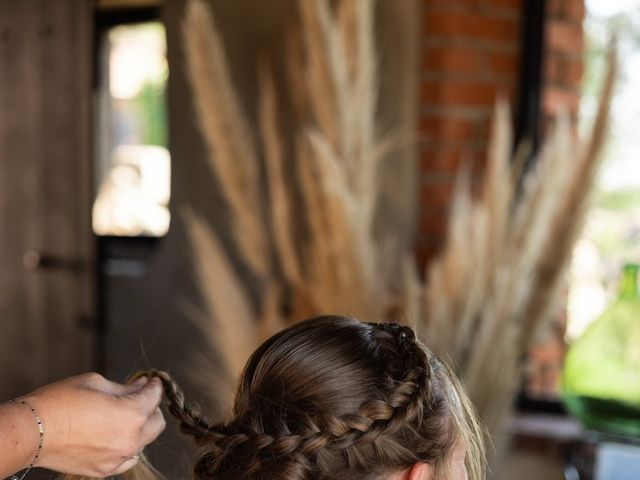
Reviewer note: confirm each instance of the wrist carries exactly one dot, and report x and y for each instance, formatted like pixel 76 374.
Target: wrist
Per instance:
pixel 40 418
pixel 20 435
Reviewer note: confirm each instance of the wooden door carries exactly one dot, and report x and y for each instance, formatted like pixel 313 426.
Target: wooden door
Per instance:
pixel 46 247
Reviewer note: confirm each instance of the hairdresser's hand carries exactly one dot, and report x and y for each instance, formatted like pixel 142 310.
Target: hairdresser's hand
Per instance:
pixel 95 427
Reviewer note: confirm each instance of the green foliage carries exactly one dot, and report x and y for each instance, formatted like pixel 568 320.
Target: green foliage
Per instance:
pixel 151 103
pixel 618 200
pixel 599 32
pixel 602 369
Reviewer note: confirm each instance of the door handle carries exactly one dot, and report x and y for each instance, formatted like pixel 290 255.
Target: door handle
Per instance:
pixel 34 260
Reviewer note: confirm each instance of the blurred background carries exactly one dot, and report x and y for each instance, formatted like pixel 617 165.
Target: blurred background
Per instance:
pixel 104 165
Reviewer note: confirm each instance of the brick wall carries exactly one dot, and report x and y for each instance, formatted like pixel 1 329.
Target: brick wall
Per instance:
pixel 564 61
pixel 470 54
pixel 563 70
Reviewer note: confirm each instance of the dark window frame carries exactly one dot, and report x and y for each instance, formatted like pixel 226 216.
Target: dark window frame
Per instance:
pixel 527 128
pixel 134 250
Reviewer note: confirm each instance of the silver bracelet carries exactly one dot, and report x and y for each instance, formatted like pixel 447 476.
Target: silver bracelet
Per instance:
pixel 40 442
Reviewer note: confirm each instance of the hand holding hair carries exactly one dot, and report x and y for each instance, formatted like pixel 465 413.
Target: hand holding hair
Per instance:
pixel 330 397
pixel 92 426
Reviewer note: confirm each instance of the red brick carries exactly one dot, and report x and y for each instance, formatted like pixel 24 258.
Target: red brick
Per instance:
pixel 476 6
pixel 472 26
pixel 504 63
pixel 552 68
pixel 564 37
pixel 458 93
pixel 563 70
pixel 555 98
pixel 516 5
pixel 441 160
pixel 432 5
pixel 433 224
pixel 573 73
pixel 436 196
pixel 452 59
pixel 555 9
pixel 574 10
pixel 447 128
pixel 446 161
pixel 427 251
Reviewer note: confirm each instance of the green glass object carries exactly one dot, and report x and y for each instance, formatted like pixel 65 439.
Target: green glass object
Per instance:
pixel 601 379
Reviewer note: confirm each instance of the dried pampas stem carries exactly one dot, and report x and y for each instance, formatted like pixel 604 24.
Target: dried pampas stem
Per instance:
pixel 234 333
pixel 317 254
pixel 570 216
pixel 500 275
pixel 224 127
pixel 282 220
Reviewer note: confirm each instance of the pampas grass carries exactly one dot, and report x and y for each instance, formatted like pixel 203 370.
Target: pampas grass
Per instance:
pixel 224 127
pixel 281 203
pixel 333 265
pixel 487 294
pixel 226 296
pixel 501 273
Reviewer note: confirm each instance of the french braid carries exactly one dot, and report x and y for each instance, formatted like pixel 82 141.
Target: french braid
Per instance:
pixel 407 422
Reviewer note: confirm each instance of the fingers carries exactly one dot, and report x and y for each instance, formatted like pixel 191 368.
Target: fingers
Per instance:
pixel 150 431
pixel 134 386
pixel 148 397
pixel 128 464
pixel 97 382
pixel 119 390
pixel 143 398
pixel 154 427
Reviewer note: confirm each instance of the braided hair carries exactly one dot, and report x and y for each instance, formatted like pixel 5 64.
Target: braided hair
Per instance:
pixel 333 398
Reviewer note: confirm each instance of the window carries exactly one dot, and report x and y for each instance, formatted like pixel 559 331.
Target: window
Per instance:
pixel 133 164
pixel 611 236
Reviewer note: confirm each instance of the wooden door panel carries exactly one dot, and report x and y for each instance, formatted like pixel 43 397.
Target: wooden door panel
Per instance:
pixel 45 184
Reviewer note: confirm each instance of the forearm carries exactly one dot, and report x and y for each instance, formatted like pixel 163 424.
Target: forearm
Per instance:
pixel 18 438
pixel 91 426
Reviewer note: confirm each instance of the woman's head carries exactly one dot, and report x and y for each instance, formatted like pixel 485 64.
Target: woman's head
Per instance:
pixel 334 398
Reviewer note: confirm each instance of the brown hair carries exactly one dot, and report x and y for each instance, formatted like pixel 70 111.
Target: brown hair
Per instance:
pixel 333 398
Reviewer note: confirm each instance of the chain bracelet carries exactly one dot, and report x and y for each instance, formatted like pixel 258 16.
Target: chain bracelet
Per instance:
pixel 40 442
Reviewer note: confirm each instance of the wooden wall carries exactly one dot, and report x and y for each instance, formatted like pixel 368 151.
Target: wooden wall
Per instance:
pixel 46 251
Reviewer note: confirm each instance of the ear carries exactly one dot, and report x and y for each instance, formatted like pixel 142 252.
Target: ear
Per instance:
pixel 419 471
